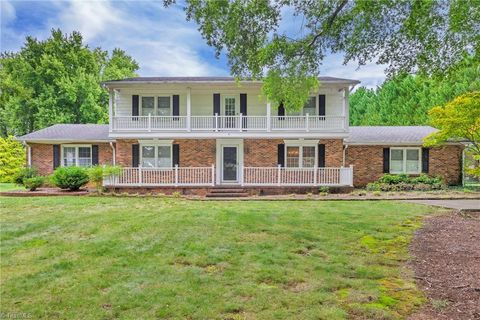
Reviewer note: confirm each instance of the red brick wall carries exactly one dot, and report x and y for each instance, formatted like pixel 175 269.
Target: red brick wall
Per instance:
pixel 367 163
pixel 123 152
pixel 42 156
pixel 263 152
pixel 197 152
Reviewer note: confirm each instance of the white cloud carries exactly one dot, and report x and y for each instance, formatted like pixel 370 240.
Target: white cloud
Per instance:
pixel 7 12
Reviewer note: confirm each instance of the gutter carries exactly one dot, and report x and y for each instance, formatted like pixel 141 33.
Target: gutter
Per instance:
pixel 113 153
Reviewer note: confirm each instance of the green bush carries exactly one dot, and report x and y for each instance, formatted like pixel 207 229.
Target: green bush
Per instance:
pixel 71 178
pixel 393 178
pixel 98 173
pixel 24 173
pixel 426 179
pixel 12 158
pixel 33 183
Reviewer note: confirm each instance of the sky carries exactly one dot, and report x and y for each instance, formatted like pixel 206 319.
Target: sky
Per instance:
pixel 159 39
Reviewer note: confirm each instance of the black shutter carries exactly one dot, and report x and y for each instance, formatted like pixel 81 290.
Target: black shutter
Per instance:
pixel 216 103
pixel 243 108
pixel 425 158
pixel 135 155
pixel 321 105
pixel 94 155
pixel 281 111
pixel 281 155
pixel 176 106
pixel 56 156
pixel 321 155
pixel 176 154
pixel 135 105
pixel 386 160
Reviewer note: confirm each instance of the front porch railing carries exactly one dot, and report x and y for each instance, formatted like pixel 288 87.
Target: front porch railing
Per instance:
pixel 280 176
pixel 248 176
pixel 219 123
pixel 175 176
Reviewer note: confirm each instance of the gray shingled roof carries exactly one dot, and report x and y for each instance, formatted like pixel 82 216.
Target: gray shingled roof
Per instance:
pixel 209 79
pixel 358 135
pixel 388 135
pixel 69 132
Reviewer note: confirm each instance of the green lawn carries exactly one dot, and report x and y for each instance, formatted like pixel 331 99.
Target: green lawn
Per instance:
pixel 137 258
pixel 10 186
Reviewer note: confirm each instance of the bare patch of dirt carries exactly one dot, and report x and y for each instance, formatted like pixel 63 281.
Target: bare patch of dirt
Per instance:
pixel 446 261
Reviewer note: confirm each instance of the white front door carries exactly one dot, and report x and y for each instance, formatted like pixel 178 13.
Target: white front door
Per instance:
pixel 229 161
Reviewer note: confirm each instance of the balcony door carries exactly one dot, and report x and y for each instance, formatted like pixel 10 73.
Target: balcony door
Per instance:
pixel 229 111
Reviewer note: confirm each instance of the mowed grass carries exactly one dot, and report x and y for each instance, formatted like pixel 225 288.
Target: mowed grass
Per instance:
pixel 143 258
pixel 10 187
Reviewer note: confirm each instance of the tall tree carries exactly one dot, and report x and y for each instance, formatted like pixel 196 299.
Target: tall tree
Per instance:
pixel 407 35
pixel 406 99
pixel 57 80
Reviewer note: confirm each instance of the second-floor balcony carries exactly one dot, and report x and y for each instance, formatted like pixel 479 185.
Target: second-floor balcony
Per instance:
pixel 221 123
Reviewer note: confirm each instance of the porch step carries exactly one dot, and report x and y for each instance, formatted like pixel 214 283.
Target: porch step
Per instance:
pixel 226 193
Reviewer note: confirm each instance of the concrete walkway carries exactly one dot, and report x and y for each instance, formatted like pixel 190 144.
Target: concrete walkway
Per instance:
pixel 468 205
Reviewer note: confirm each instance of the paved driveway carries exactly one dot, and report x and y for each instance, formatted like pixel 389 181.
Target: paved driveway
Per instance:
pixel 452 204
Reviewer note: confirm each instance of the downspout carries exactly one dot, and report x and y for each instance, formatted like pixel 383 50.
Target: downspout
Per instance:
pixel 345 146
pixel 113 152
pixel 29 154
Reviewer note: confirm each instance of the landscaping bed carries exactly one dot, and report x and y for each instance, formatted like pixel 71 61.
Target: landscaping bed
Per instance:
pixel 446 261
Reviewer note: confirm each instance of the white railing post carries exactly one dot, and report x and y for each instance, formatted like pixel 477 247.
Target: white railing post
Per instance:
pixel 140 178
pixel 279 173
pixel 213 174
pixel 315 175
pixel 149 126
pixel 176 175
pixel 241 122
pixel 189 109
pixel 307 123
pixel 216 122
pixel 351 175
pixel 269 116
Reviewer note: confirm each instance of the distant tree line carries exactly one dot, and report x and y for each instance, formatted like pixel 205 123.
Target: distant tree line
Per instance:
pixel 407 99
pixel 57 80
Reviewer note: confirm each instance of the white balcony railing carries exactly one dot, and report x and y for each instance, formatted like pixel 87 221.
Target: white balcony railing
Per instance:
pixel 218 123
pixel 249 176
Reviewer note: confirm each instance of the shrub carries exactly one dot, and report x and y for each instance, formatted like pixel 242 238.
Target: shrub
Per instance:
pixel 426 179
pixel 71 178
pixel 25 173
pixel 324 189
pixel 33 183
pixel 98 173
pixel 393 178
pixel 12 157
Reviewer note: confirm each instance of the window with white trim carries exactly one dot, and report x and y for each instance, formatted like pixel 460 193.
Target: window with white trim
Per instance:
pixel 156 156
pixel 405 160
pixel 310 107
pixel 159 105
pixel 300 156
pixel 77 155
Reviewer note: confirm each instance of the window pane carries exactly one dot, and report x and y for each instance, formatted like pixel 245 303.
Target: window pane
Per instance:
pixel 69 156
pixel 396 166
pixel 148 104
pixel 84 156
pixel 412 154
pixel 310 107
pixel 413 166
pixel 308 157
pixel 148 156
pixel 164 159
pixel 293 156
pixel 163 106
pixel 396 154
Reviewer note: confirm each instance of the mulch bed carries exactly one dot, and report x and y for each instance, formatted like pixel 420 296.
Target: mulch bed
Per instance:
pixel 446 261
pixel 44 192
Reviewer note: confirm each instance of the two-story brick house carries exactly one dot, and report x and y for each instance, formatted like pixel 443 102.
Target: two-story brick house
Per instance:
pixel 196 133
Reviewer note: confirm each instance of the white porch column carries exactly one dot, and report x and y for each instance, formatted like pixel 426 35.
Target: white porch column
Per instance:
pixel 345 112
pixel 269 113
pixel 189 109
pixel 111 97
